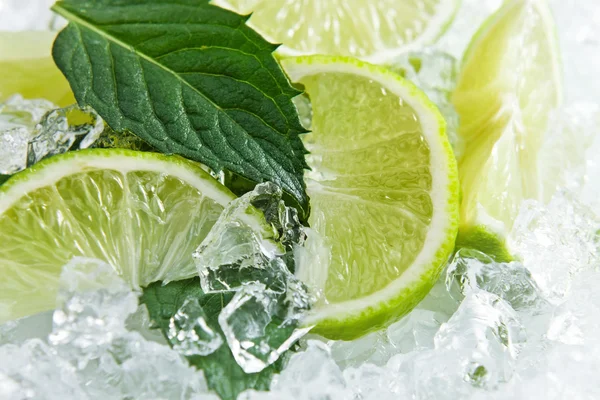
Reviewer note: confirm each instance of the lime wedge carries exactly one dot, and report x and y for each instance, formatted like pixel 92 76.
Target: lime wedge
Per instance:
pixel 143 213
pixel 28 68
pixel 367 29
pixel 509 83
pixel 383 188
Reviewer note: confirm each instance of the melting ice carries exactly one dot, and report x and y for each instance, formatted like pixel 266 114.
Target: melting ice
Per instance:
pixel 31 130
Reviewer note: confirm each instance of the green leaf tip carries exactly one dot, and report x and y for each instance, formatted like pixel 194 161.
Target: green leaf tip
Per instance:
pixel 188 78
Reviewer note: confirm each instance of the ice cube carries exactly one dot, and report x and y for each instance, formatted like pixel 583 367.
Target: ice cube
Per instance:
pixel 91 354
pixel 312 260
pixel 257 328
pixel 245 245
pixel 94 303
pixel 250 250
pixel 31 130
pixel 374 348
pixel 18 118
pixel 34 370
pixel 488 334
pixel 55 134
pixel 473 270
pixel 190 333
pixel 414 332
pixel 310 374
pixel 575 322
pixel 554 242
pixel 567 156
pixel 579 39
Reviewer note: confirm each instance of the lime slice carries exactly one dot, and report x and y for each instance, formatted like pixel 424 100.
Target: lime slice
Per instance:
pixel 28 68
pixel 509 83
pixel 371 30
pixel 383 188
pixel 143 213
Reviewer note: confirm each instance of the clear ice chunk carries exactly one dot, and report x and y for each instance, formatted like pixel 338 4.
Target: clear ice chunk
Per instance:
pixel 311 374
pixel 91 354
pixel 555 241
pixel 55 134
pixel 569 147
pixel 251 250
pixel 92 301
pixel 579 43
pixel 190 333
pixel 256 327
pixel 31 130
pixel 246 246
pixel 473 270
pixel 18 118
pixel 489 333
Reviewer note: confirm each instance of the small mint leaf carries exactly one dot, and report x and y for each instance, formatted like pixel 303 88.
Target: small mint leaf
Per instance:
pixel 188 78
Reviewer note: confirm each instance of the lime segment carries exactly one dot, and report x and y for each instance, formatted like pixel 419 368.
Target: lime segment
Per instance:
pixel 383 187
pixel 509 83
pixel 143 213
pixel 370 30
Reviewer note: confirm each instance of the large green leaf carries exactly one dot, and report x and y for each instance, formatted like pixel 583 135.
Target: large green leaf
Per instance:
pixel 222 373
pixel 188 78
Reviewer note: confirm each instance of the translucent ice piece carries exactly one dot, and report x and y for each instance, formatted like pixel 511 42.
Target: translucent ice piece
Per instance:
pixel 55 134
pixel 31 130
pixel 579 39
pixel 312 263
pixel 18 118
pixel 91 354
pixel 311 374
pixel 435 73
pixel 555 241
pixel 256 327
pixel 190 333
pixel 575 322
pixel 94 303
pixel 414 332
pixel 35 371
pixel 563 157
pixel 244 245
pixel 472 270
pixel 488 334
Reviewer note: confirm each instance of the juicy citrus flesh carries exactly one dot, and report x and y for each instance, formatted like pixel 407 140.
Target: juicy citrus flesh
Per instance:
pixel 360 28
pixel 142 213
pixel 370 177
pixel 29 70
pixel 373 191
pixel 508 85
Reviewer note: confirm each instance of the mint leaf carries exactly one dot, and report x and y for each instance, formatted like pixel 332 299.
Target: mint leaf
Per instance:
pixel 188 78
pixel 222 373
pixel 4 178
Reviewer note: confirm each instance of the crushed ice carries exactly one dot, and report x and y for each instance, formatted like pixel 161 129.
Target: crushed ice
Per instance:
pixel 250 250
pixel 91 353
pixel 31 130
